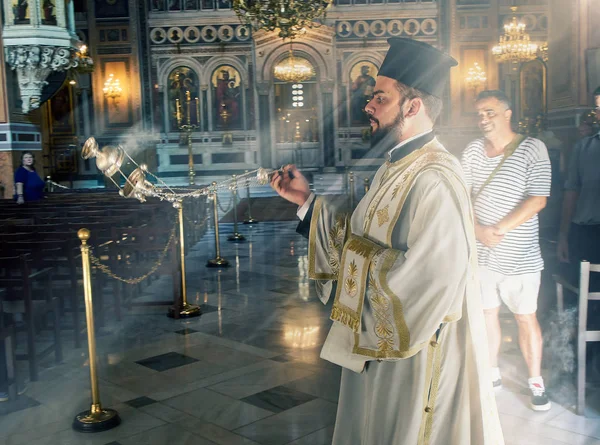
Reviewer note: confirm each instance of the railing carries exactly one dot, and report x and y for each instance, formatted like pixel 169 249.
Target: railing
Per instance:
pixel 375 2
pixel 188 5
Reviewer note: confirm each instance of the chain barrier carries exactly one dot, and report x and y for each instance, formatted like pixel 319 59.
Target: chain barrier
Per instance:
pixel 55 184
pixel 198 225
pixel 229 204
pixel 106 270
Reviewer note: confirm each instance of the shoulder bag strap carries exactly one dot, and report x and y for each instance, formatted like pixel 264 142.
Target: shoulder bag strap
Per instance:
pixel 508 151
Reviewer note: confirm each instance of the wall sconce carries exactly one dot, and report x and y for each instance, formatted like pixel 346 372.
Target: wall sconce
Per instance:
pixel 112 90
pixel 475 77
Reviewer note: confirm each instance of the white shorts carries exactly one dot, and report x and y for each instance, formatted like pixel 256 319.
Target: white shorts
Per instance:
pixel 518 292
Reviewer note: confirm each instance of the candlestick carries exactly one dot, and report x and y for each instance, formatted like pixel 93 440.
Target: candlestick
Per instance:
pixel 188 103
pixel 178 112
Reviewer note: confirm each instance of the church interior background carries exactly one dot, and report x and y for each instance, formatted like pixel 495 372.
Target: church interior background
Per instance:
pixel 197 95
pixel 191 60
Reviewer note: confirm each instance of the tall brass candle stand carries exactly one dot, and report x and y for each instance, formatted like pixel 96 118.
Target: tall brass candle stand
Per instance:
pixel 217 261
pixel 189 128
pixel 95 419
pixel 366 183
pixel 351 185
pixel 186 310
pixel 250 220
pixel 235 236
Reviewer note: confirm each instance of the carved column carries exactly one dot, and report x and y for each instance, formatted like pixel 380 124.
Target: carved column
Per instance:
pixel 264 123
pixel 328 123
pixel 205 108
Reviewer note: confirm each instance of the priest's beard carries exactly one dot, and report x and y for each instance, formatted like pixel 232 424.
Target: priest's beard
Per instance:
pixel 388 136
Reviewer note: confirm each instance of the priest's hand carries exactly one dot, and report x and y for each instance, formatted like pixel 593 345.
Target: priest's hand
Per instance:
pixel 290 184
pixel 491 236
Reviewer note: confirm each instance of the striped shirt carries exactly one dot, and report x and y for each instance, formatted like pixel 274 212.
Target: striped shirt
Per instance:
pixel 525 173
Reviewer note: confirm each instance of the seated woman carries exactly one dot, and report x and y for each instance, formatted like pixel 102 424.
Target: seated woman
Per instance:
pixel 29 186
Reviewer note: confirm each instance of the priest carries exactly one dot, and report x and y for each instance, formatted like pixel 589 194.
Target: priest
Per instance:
pixel 408 327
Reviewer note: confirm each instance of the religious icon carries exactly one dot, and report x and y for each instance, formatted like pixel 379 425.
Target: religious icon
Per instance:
pixel 183 94
pixel 226 83
pixel 20 12
pixel 428 26
pixel 61 112
pixel 158 5
pixel 412 27
pixel 533 89
pixel 361 89
pixel 192 34
pixel 48 12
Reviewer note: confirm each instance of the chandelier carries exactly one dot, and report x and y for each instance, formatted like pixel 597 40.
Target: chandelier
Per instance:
pixel 475 77
pixel 515 45
pixel 112 87
pixel 291 17
pixel 293 69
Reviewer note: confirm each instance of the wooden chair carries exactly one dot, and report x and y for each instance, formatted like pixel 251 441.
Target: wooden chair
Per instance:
pixel 583 334
pixel 7 337
pixel 18 280
pixel 60 254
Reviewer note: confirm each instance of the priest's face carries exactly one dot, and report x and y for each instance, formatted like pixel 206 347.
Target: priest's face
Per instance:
pixel 385 113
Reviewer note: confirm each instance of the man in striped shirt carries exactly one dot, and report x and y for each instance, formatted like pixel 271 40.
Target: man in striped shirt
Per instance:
pixel 509 177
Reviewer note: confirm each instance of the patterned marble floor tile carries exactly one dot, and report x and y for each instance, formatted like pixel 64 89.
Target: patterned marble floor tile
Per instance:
pixel 292 424
pixel 217 408
pixel 249 384
pixel 166 361
pixel 20 403
pixel 321 437
pixel 278 399
pixel 186 331
pixel 133 422
pixel 214 432
pixel 325 385
pixel 519 430
pixel 140 402
pixel 166 434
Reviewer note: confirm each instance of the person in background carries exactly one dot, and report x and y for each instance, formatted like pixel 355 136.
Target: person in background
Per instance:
pixel 579 237
pixel 29 186
pixel 509 176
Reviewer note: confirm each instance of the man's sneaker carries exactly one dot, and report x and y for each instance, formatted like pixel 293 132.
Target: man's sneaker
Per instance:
pixel 539 399
pixel 497 384
pixel 3 396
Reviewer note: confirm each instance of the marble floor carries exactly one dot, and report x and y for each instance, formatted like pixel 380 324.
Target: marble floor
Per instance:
pixel 248 371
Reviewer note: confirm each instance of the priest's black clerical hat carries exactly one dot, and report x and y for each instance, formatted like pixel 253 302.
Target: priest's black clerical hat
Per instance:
pixel 418 65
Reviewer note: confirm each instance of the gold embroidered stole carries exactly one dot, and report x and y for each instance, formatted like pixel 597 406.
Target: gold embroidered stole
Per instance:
pixel 363 251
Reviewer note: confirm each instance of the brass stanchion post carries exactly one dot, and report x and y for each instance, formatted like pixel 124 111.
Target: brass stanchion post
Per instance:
pixel 217 261
pixel 235 236
pixel 351 185
pixel 366 183
pixel 191 172
pixel 186 310
pixel 95 419
pixel 250 220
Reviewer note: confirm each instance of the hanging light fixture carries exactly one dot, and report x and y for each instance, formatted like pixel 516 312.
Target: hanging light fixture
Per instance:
pixel 293 69
pixel 290 17
pixel 475 77
pixel 515 45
